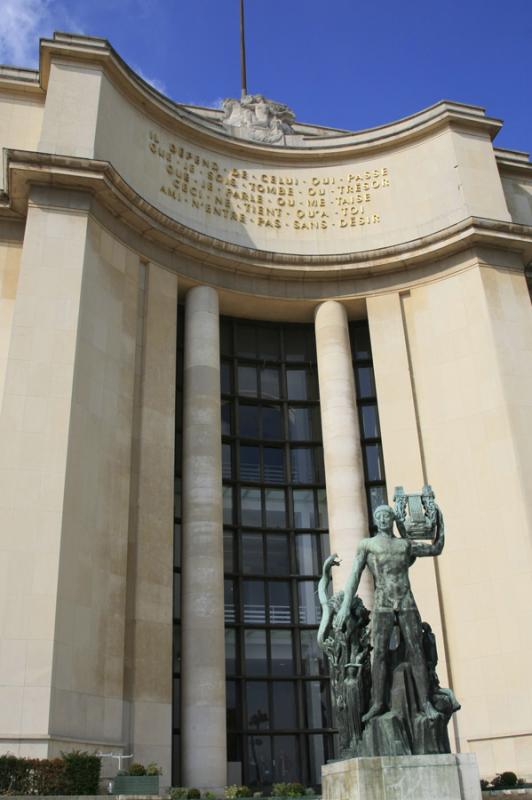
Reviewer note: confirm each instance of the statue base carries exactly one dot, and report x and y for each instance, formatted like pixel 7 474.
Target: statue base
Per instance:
pixel 427 777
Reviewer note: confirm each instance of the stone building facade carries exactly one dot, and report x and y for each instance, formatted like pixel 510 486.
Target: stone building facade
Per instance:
pixel 220 346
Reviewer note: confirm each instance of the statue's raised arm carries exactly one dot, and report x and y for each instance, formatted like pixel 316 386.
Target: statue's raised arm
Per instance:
pixel 434 548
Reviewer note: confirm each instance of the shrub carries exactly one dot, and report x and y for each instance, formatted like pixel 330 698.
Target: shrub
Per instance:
pixel 257 794
pixel 237 791
pixel 137 769
pixel 76 773
pixel 505 780
pixel 82 772
pixel 208 795
pixel 193 794
pixel 288 789
pixel 153 769
pixel 484 784
pixel 178 792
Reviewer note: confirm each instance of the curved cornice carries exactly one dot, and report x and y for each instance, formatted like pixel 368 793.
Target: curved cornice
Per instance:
pixel 26 169
pixel 331 146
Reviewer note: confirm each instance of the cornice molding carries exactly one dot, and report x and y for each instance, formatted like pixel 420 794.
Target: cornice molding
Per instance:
pixel 179 119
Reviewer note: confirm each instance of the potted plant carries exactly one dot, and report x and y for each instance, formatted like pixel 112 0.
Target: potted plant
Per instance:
pixel 138 780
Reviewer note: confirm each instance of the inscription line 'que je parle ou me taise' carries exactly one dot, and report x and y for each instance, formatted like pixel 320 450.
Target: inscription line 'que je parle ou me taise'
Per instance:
pixel 270 201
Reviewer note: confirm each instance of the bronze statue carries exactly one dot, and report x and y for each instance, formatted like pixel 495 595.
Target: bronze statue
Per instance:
pixel 409 710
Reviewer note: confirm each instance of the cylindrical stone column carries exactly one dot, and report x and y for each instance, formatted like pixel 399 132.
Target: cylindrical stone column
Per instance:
pixel 344 470
pixel 203 714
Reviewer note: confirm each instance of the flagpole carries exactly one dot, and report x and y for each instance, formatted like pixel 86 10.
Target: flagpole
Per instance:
pixel 243 50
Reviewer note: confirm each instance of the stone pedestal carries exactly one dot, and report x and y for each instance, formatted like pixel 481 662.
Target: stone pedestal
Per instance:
pixel 429 777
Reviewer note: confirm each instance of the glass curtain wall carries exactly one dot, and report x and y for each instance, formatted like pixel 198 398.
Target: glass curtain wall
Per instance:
pixel 279 719
pixel 370 432
pixel 275 540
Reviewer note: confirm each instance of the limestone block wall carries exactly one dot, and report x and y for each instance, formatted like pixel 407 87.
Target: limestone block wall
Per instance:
pixel 470 340
pixel 86 489
pixel 10 252
pixel 20 122
pixel 87 684
pixel 71 110
pixel 518 193
pixel 149 611
pixel 34 427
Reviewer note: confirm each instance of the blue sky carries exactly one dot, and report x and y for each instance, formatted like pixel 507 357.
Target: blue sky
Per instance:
pixel 342 63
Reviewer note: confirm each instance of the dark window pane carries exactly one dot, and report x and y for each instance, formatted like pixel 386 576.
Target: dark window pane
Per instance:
pixel 230 651
pixel 296 384
pixel 176 703
pixel 269 381
pixel 360 342
pixel 370 422
pixel 249 463
pixel 317 709
pixel 272 423
pixel 226 338
pixel 232 705
pixel 229 563
pixel 325 546
pixel 225 377
pixel 277 555
pixel 295 345
pixel 303 423
pixel 269 344
pixel 302 460
pixel 234 747
pixel 304 512
pixel 320 468
pixel 280 604
pixel 253 602
pixel 366 381
pixel 377 497
pixel 229 600
pixel 260 760
pixel 374 462
pixel 177 595
pixel 250 507
pixel 177 649
pixel 255 652
pixel 273 462
pixel 320 751
pixel 246 341
pixel 311 656
pixel 257 705
pixel 275 508
pixel 252 555
pixel 247 381
pixel 226 417
pixel 323 517
pixel 177 497
pixel 284 704
pixel 177 544
pixel 282 658
pixel 286 765
pixel 227 470
pixel 176 757
pixel 307 554
pixel 248 421
pixel 228 505
pixel 309 605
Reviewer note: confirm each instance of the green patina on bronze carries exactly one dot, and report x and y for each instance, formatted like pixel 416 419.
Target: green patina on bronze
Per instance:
pixel 391 703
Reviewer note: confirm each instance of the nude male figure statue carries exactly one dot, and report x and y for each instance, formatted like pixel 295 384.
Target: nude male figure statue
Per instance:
pixel 389 558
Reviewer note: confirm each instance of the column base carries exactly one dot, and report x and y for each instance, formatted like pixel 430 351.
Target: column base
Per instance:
pixel 427 777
